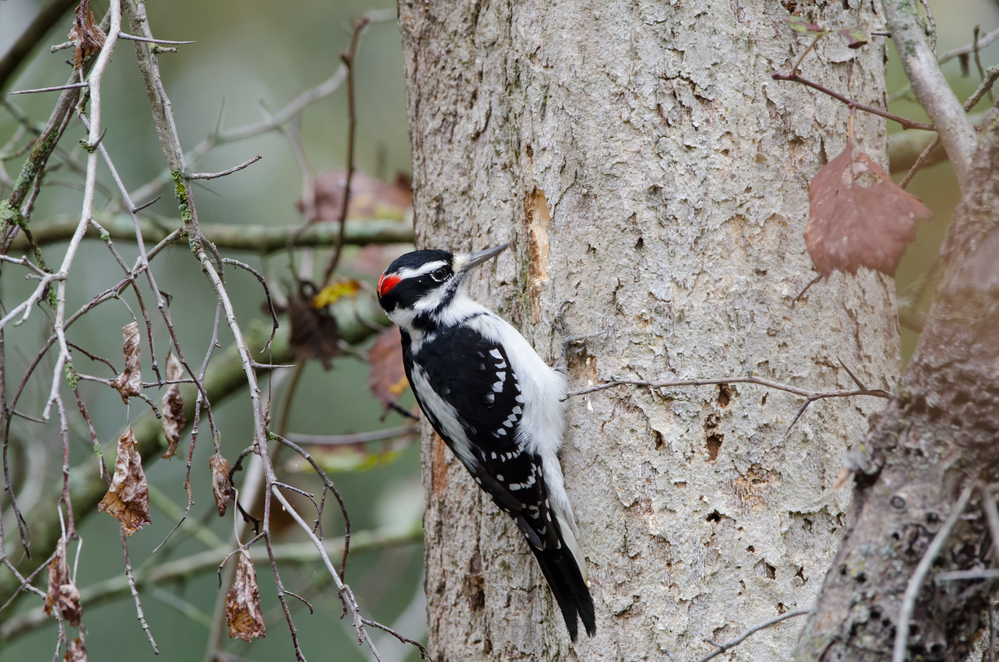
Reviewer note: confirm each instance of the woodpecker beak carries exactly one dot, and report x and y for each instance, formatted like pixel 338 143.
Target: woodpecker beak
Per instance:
pixel 465 262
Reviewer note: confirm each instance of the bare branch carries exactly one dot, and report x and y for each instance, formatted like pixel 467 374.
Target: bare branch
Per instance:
pixel 931 88
pixel 216 175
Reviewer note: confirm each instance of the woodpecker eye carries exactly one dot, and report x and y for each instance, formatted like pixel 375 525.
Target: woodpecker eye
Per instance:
pixel 439 275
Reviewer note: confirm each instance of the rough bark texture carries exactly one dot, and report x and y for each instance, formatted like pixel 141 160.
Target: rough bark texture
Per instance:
pixel 935 437
pixel 649 170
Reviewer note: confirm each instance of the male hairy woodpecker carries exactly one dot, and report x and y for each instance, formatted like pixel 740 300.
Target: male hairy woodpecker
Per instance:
pixel 495 403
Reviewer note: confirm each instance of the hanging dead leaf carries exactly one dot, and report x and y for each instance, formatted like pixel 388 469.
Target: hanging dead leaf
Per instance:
pixel 62 594
pixel 314 332
pixel 75 652
pixel 127 500
pixel 369 197
pixel 86 34
pixel 851 225
pixel 173 407
pixel 242 604
pixel 387 379
pixel 221 487
pixel 129 382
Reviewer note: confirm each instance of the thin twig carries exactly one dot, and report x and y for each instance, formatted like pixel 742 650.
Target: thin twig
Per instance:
pixel 356 438
pixel 135 592
pixel 216 175
pixel 348 60
pixel 56 88
pixel 154 41
pixel 812 395
pixel 906 123
pixel 424 653
pixel 919 575
pixel 751 631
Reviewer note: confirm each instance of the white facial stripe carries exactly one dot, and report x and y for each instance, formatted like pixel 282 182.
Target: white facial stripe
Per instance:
pixel 406 272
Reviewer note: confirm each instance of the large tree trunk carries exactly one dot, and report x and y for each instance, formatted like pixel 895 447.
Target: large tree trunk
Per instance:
pixel 649 170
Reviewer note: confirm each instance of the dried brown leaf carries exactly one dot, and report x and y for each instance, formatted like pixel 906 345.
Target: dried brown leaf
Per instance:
pixel 221 487
pixel 75 652
pixel 851 225
pixel 86 34
pixel 173 407
pixel 127 500
pixel 369 197
pixel 129 382
pixel 314 332
pixel 242 604
pixel 387 379
pixel 62 594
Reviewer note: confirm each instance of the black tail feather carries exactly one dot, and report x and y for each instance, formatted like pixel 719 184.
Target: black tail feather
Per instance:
pixel 570 590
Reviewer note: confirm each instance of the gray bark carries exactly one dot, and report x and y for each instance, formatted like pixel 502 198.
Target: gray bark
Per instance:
pixel 648 169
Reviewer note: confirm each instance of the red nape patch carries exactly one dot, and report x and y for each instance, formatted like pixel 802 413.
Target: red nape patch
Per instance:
pixel 386 283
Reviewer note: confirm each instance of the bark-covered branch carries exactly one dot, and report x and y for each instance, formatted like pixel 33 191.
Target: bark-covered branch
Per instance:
pixel 936 437
pixel 929 85
pixel 256 238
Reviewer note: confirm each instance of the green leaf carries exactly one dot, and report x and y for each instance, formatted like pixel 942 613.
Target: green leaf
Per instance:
pixel 855 37
pixel 798 24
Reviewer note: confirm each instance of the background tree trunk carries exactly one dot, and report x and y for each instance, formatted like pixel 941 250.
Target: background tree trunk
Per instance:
pixel 936 439
pixel 649 170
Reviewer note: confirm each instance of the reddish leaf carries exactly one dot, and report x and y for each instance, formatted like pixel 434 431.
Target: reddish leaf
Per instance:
pixel 387 379
pixel 86 34
pixel 221 487
pixel 173 407
pixel 369 197
pixel 855 37
pixel 242 604
pixel 129 383
pixel 62 595
pixel 127 500
pixel 75 652
pixel 853 226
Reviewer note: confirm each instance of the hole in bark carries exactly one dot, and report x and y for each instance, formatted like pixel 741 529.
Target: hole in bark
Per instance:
pixel 861 578
pixel 660 440
pixel 763 401
pixel 715 516
pixel 781 608
pixel 724 395
pixel 750 549
pixel 764 569
pixel 529 151
pixel 714 445
pixel 801 574
pixel 640 244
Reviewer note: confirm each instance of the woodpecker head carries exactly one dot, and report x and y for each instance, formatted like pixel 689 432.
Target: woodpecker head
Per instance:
pixel 422 284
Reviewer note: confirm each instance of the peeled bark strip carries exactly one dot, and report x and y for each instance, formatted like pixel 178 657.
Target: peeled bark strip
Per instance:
pixel 935 437
pixel 648 169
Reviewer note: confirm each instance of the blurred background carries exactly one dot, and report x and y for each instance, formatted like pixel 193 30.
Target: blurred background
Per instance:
pixel 250 59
